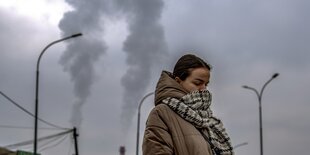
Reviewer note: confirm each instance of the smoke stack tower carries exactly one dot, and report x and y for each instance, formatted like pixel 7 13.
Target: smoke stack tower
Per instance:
pixel 122 150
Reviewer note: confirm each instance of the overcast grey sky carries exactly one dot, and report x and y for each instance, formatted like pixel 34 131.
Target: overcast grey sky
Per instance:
pixel 95 82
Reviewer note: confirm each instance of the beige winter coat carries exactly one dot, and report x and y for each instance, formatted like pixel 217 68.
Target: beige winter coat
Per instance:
pixel 166 132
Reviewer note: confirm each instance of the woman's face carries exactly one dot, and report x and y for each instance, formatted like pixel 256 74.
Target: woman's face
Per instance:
pixel 197 80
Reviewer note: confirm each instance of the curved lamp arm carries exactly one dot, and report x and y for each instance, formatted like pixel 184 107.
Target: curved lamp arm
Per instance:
pixel 138 124
pixel 37 88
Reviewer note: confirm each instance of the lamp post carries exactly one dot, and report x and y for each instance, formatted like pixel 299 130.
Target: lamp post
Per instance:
pixel 259 95
pixel 138 125
pixel 37 88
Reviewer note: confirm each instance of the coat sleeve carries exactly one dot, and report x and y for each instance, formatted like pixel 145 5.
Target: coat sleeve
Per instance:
pixel 157 139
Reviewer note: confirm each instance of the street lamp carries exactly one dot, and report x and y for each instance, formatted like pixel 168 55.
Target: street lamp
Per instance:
pixel 138 126
pixel 259 95
pixel 37 88
pixel 241 144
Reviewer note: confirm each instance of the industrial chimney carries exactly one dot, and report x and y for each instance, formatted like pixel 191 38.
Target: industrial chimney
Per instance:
pixel 122 150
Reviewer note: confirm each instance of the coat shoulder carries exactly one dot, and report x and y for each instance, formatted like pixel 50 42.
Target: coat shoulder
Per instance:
pixel 159 116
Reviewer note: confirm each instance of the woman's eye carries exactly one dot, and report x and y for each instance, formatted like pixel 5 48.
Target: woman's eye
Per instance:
pixel 197 83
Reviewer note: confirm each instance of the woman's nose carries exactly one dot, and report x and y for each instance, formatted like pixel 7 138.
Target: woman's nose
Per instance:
pixel 202 87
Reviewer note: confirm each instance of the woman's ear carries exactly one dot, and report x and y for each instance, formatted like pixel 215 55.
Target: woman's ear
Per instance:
pixel 178 79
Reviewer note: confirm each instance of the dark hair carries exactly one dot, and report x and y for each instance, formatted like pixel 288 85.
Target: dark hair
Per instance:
pixel 182 68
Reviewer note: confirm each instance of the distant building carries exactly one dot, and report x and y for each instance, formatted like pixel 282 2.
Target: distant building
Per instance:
pixel 4 151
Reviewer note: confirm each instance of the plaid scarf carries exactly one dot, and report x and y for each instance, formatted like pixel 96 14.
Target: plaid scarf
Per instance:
pixel 195 108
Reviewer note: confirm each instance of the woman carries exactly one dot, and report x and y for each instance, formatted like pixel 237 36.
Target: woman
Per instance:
pixel 181 123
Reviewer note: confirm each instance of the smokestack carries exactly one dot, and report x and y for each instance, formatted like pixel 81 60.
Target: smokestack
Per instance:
pixel 122 150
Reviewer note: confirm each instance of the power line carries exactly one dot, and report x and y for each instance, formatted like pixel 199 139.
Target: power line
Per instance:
pixel 23 127
pixel 70 148
pixel 40 139
pixel 23 109
pixel 54 145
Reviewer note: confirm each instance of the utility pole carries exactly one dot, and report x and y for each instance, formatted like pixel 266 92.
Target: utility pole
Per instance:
pixel 75 135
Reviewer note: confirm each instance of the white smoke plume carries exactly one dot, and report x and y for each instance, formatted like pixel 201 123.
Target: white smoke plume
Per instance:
pixel 81 54
pixel 145 45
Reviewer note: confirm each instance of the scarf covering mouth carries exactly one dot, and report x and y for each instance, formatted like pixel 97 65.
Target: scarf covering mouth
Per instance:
pixel 195 108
